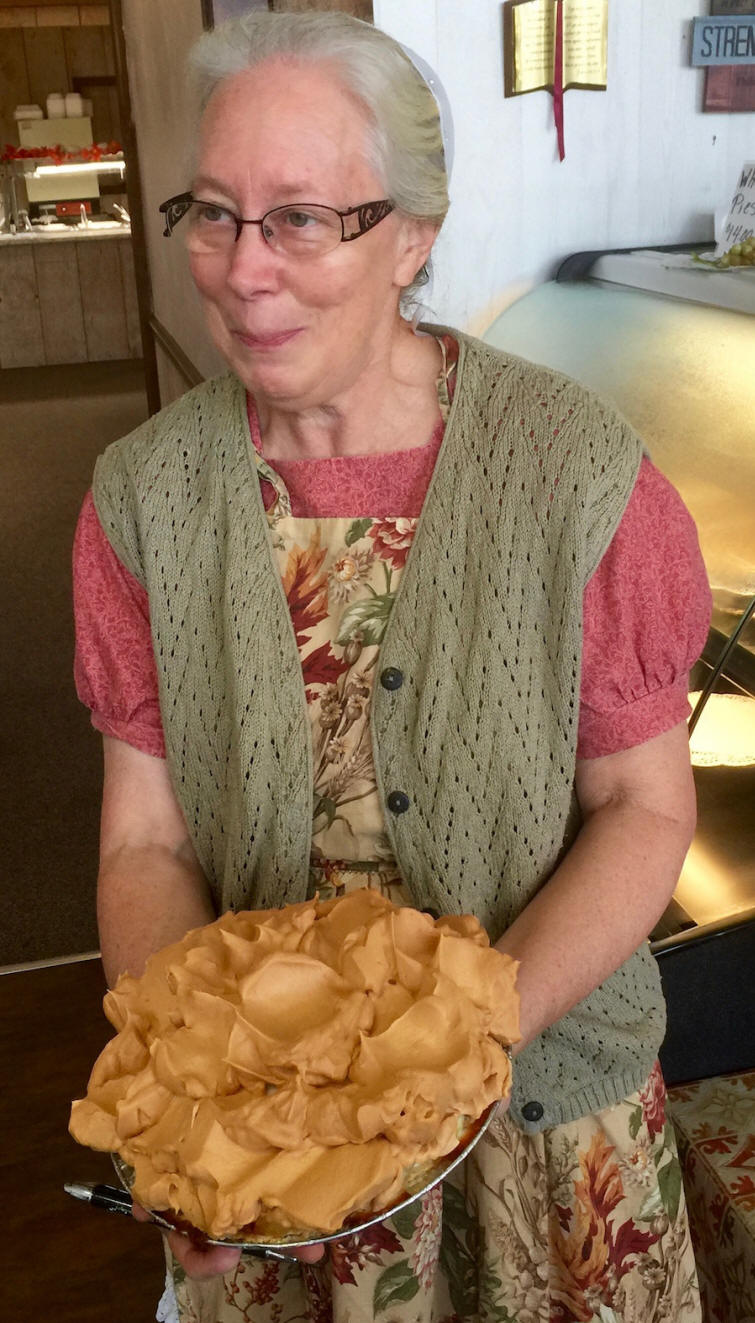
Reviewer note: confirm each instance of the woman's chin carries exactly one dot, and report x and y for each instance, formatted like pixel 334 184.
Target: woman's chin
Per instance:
pixel 260 377
pixel 270 371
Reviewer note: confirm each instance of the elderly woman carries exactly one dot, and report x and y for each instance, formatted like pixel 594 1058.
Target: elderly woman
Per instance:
pixel 386 607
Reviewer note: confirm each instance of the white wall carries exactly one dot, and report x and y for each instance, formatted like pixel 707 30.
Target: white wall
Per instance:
pixel 643 164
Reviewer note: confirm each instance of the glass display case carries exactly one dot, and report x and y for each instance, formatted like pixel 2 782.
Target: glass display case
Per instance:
pixel 63 195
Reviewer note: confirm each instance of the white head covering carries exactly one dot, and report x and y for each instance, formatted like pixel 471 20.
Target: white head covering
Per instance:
pixel 422 310
pixel 441 99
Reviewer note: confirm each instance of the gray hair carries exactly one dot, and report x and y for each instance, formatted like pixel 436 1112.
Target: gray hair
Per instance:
pixel 406 146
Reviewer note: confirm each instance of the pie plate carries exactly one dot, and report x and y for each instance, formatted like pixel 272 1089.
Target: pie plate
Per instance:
pixel 419 1180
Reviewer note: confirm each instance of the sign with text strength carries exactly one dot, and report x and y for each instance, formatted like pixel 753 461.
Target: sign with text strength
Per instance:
pixel 729 40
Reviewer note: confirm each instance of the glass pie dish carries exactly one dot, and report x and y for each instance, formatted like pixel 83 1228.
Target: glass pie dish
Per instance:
pixel 418 1180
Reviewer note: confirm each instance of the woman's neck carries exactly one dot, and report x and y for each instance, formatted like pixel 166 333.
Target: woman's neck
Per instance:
pixel 392 406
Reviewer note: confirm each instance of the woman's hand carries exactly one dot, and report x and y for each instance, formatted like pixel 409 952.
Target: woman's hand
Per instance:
pixel 218 1260
pixel 202 1264
pixel 215 1260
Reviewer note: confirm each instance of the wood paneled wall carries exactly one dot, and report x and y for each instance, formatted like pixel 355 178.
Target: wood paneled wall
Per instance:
pixel 68 303
pixel 43 49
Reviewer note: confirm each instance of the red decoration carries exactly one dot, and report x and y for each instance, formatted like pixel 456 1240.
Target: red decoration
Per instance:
pixel 58 154
pixel 558 79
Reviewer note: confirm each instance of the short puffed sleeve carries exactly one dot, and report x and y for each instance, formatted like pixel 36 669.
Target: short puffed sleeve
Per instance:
pixel 114 664
pixel 646 617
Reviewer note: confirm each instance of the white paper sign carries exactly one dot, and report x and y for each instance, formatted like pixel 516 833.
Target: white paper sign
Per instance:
pixel 740 221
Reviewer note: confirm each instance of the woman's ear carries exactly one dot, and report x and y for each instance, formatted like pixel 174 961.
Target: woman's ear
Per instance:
pixel 414 249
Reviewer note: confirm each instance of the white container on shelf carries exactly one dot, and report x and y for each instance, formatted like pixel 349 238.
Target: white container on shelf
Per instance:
pixel 28 112
pixel 74 105
pixel 56 106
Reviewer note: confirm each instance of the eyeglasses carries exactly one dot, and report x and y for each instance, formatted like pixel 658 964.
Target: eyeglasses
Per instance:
pixel 301 229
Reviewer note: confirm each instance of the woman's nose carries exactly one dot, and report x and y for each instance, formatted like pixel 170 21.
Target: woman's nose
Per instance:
pixel 253 266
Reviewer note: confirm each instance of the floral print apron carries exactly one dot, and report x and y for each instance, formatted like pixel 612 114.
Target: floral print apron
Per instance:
pixel 585 1222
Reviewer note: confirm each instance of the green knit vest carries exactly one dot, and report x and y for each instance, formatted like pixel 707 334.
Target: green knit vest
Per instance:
pixel 531 481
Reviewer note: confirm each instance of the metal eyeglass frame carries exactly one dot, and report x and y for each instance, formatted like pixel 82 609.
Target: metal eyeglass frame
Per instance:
pixel 367 215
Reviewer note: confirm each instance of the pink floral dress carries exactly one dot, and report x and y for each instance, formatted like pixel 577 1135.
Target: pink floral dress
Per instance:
pixel 583 1222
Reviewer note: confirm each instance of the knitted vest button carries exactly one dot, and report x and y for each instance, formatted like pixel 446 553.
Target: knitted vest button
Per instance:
pixel 397 801
pixel 391 678
pixel 532 1111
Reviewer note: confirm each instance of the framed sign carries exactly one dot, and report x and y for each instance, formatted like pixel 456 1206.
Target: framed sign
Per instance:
pixel 730 87
pixel 730 40
pixel 552 45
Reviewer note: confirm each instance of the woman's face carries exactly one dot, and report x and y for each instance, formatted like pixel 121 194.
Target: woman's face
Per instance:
pixel 298 333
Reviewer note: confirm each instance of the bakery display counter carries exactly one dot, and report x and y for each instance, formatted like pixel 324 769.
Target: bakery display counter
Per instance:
pixel 67 282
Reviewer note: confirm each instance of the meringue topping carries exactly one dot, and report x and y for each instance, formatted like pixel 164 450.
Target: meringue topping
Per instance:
pixel 280 1070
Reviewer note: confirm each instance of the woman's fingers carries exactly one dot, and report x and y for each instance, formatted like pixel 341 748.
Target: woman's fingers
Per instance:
pixel 307 1253
pixel 202 1264
pixel 216 1260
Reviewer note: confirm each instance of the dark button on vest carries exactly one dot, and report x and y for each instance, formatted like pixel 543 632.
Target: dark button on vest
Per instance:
pixel 391 678
pixel 532 1111
pixel 397 801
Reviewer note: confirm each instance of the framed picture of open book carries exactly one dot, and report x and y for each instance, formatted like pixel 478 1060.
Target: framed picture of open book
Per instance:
pixel 529 37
